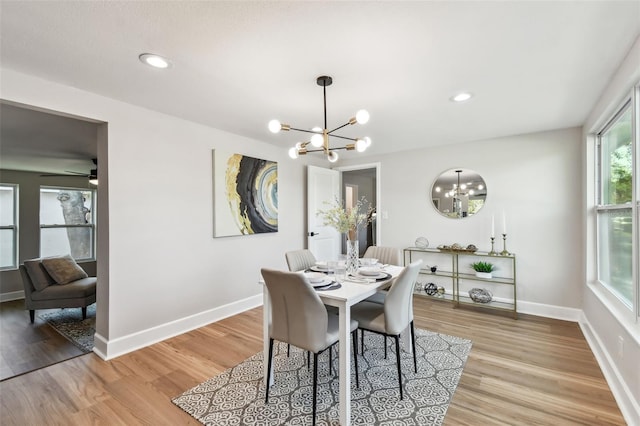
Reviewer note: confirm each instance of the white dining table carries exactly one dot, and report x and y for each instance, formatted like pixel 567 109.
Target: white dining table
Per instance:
pixel 350 293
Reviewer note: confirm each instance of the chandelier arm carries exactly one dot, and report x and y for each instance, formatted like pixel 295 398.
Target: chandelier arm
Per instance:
pixel 330 149
pixel 305 131
pixel 344 137
pixel 338 128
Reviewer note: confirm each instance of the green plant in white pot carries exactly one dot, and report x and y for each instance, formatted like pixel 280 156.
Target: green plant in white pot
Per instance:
pixel 483 269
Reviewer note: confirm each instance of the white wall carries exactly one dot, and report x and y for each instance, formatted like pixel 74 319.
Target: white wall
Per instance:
pixel 534 179
pixel 605 320
pixel 162 270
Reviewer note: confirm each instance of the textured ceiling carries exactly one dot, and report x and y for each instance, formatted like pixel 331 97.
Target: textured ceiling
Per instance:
pixel 532 66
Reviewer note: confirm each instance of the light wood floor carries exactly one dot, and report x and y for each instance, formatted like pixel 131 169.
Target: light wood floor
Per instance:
pixel 530 371
pixel 26 347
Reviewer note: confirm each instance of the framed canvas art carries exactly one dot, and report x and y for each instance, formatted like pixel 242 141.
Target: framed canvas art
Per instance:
pixel 245 195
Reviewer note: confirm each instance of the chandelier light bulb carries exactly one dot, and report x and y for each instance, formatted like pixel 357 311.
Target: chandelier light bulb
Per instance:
pixel 332 157
pixel 362 116
pixel 317 140
pixel 367 139
pixel 471 192
pixel 480 187
pixel 275 126
pixel 463 186
pixel 293 152
pixel 438 189
pixel 361 145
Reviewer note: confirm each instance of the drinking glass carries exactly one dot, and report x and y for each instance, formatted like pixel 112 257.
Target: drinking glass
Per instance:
pixel 341 271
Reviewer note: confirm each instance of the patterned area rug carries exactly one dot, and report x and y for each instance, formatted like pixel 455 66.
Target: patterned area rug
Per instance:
pixel 70 324
pixel 236 397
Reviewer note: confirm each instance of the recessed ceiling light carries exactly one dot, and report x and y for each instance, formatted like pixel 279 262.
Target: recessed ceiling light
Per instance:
pixel 461 97
pixel 155 61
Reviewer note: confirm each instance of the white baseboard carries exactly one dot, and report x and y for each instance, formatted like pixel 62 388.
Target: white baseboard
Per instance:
pixel 13 295
pixel 550 311
pixel 628 405
pixel 109 349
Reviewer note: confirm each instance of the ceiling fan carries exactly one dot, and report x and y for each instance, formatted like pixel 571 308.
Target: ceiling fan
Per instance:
pixel 92 175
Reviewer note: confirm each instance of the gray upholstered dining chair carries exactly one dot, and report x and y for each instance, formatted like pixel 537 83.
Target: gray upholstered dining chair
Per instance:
pixel 388 255
pixel 299 260
pixel 300 319
pixel 394 316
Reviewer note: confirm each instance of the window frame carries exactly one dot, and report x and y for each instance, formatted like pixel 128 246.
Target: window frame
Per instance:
pixel 631 101
pixel 13 227
pixel 91 225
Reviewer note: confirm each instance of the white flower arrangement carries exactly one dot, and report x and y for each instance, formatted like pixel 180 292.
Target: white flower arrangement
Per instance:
pixel 347 221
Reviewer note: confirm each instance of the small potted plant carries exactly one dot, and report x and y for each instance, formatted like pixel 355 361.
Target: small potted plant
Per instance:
pixel 483 269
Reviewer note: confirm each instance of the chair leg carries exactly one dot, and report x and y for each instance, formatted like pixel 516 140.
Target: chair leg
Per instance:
pixel 330 360
pixel 84 312
pixel 413 344
pixel 384 339
pixel 288 350
pixel 362 343
pixel 266 392
pixel 354 338
pixel 397 339
pixel 315 386
pixel 32 315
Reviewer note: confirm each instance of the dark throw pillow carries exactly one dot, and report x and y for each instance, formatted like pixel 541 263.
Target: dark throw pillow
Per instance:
pixel 39 276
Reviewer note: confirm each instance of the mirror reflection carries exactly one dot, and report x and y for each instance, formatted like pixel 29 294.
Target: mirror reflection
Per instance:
pixel 458 193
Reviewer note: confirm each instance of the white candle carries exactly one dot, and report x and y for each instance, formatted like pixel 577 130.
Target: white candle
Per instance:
pixel 504 223
pixel 493 226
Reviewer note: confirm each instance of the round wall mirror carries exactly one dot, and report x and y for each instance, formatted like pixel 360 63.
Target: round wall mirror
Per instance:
pixel 458 193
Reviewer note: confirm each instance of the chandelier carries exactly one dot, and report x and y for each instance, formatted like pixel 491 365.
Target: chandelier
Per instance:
pixel 319 140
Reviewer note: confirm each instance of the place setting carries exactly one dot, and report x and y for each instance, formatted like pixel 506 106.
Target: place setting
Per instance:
pixel 321 281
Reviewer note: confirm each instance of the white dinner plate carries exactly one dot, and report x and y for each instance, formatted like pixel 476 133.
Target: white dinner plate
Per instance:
pixel 315 277
pixel 378 276
pixel 369 271
pixel 317 268
pixel 322 283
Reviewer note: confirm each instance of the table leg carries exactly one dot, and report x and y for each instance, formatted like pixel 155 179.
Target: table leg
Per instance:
pixel 266 320
pixel 345 365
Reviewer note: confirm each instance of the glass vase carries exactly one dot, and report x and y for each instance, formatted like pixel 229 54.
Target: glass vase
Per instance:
pixel 353 255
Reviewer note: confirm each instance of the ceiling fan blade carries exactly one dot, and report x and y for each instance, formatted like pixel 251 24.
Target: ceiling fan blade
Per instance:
pixel 83 175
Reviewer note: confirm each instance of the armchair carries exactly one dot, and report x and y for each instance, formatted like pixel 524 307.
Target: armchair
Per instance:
pixel 59 284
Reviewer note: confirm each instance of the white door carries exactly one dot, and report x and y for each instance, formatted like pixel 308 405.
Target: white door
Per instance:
pixel 322 185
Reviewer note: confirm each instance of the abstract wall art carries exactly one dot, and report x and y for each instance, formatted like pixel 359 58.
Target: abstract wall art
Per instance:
pixel 245 195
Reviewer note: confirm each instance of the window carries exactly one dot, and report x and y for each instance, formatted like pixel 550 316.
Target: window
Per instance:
pixel 67 222
pixel 8 226
pixel 616 173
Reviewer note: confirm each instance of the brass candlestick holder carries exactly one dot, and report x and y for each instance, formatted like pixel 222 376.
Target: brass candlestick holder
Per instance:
pixel 504 251
pixel 492 252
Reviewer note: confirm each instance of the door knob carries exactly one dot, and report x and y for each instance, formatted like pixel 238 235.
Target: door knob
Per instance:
pixel 311 234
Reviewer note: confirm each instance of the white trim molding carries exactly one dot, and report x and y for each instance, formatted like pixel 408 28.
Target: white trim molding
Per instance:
pixel 549 311
pixel 12 295
pixel 109 349
pixel 629 407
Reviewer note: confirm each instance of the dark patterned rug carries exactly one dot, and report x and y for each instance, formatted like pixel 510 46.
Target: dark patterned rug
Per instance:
pixel 69 323
pixel 236 397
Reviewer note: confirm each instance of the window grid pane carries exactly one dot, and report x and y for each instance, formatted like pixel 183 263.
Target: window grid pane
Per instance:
pixel 615 242
pixel 617 163
pixel 8 221
pixel 71 212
